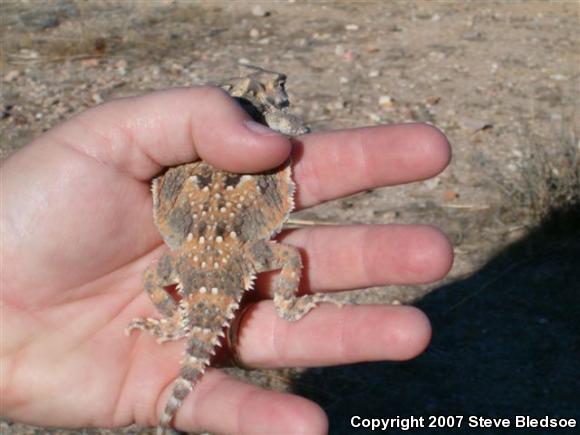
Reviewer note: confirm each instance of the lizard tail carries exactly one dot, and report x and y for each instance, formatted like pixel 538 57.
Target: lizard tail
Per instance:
pixel 181 387
pixel 201 346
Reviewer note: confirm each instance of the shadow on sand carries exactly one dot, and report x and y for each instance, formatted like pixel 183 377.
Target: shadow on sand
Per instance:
pixel 506 342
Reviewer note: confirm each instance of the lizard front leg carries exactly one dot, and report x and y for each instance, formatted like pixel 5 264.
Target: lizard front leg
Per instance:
pixel 157 277
pixel 269 255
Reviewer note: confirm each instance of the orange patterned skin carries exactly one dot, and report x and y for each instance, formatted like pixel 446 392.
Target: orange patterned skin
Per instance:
pixel 218 227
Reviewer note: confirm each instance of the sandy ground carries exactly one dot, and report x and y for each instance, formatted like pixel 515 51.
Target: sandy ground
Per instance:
pixel 500 79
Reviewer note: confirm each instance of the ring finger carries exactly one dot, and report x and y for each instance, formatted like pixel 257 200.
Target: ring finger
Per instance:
pixel 330 335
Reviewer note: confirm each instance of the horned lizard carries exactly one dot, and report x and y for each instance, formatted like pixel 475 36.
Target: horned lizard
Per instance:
pixel 218 227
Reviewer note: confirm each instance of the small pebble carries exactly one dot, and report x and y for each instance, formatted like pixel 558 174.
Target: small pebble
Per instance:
pixel 343 80
pixel 302 42
pixel 11 75
pixel 386 102
pixel 97 98
pixel 90 63
pixel 450 195
pixel 472 36
pixel 432 100
pixel 374 73
pixel 28 54
pixel 431 184
pixel 254 33
pixel 121 66
pixel 351 27
pixel 348 56
pixel 558 77
pixel 259 11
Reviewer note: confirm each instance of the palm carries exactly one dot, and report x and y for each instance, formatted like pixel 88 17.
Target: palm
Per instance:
pixel 78 315
pixel 82 235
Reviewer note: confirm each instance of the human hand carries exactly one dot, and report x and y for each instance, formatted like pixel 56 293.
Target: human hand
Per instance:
pixel 78 233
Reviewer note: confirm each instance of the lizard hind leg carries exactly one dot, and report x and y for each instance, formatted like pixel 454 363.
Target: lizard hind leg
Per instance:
pixel 270 255
pixel 162 329
pixel 158 276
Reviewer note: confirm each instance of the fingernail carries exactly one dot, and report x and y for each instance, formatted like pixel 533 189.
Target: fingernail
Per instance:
pixel 260 129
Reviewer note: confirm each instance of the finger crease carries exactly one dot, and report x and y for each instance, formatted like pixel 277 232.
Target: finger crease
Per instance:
pixel 311 184
pixel 341 345
pixel 243 407
pixel 364 255
pixel 279 339
pixel 365 160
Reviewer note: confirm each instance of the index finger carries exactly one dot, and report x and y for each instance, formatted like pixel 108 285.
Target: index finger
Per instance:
pixel 332 164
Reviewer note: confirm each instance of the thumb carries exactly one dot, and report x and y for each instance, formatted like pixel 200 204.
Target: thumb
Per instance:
pixel 141 135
